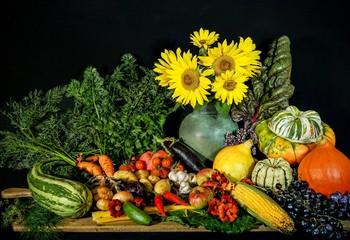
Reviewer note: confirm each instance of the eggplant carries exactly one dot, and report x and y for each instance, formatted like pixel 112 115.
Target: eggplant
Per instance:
pixel 184 154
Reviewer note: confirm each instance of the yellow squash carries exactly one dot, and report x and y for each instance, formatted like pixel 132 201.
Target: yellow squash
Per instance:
pixel 236 161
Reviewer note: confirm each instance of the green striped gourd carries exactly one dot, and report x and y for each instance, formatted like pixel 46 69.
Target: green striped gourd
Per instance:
pixel 270 171
pixel 67 198
pixel 296 126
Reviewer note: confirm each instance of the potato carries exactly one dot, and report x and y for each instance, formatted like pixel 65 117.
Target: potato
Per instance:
pixel 162 186
pixel 153 179
pixel 103 204
pixel 147 183
pixel 125 175
pixel 142 173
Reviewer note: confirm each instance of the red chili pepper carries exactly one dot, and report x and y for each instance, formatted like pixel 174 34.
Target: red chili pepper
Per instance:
pixel 158 201
pixel 174 198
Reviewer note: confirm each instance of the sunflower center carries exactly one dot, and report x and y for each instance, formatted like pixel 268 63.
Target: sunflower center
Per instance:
pixel 190 79
pixel 230 85
pixel 223 63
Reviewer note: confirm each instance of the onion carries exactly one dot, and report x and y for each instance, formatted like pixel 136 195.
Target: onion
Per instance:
pixel 123 196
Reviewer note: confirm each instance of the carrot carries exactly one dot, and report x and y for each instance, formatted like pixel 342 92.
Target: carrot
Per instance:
pixel 174 198
pixel 90 168
pixel 92 158
pixel 106 164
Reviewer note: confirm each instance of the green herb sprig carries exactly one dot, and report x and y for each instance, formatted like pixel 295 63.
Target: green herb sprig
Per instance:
pixel 120 115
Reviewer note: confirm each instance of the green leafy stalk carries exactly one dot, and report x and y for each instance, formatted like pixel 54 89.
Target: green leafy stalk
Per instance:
pixel 120 115
pixel 39 131
pixel 271 90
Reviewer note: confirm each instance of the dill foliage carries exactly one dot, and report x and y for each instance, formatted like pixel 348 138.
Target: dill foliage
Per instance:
pixel 40 221
pixel 121 114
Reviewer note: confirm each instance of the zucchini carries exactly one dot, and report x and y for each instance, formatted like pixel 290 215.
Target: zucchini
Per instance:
pixel 136 214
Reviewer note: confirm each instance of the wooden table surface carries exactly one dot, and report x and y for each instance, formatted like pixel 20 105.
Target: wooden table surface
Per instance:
pixel 87 224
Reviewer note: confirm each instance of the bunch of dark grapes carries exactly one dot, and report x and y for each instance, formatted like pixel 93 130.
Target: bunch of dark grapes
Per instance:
pixel 314 213
pixel 240 136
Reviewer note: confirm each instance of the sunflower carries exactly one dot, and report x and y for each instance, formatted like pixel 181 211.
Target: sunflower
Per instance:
pixel 234 57
pixel 229 87
pixel 188 82
pixel 168 57
pixel 203 38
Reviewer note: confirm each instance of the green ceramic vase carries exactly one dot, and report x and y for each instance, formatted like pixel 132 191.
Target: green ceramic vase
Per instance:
pixel 204 130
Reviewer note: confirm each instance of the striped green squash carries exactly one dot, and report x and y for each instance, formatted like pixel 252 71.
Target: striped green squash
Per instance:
pixel 296 126
pixel 270 171
pixel 67 198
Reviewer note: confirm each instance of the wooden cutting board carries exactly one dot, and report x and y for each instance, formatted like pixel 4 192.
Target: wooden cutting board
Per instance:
pixel 88 225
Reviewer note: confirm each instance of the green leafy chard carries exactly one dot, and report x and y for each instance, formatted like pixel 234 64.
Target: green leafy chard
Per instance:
pixel 269 92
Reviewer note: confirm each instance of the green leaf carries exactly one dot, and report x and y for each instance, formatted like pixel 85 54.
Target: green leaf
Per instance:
pixel 222 108
pixel 271 90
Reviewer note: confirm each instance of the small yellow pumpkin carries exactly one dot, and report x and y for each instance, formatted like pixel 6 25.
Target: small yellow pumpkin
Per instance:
pixel 236 161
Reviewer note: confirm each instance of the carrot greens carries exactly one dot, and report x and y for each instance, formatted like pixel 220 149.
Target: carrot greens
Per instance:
pixel 119 115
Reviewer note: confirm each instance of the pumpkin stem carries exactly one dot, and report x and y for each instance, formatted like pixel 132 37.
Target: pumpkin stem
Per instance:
pixel 248 144
pixel 321 140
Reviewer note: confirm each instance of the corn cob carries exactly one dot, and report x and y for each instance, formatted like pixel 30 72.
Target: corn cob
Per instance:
pixel 262 207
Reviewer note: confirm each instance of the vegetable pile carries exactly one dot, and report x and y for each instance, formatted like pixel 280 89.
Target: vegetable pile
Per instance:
pixel 97 148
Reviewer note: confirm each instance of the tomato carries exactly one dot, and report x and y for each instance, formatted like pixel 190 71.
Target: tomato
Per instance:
pixel 147 157
pixel 140 164
pixel 167 162
pixel 164 173
pixel 177 167
pixel 161 154
pixel 127 166
pixel 156 172
pixel 156 161
pixel 158 157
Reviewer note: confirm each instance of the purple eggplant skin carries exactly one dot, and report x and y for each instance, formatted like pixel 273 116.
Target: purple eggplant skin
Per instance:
pixel 183 154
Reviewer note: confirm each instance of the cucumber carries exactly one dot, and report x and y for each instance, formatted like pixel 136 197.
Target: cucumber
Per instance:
pixel 65 197
pixel 136 214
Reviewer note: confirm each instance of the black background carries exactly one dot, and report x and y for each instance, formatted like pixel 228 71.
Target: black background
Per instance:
pixel 48 43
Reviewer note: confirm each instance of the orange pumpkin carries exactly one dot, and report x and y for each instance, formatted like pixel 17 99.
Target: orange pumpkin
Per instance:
pixel 326 169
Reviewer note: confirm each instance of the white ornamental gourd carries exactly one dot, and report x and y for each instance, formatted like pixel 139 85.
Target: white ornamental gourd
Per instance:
pixel 296 126
pixel 270 171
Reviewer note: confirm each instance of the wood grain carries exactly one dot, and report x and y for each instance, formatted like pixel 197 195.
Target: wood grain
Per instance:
pixel 88 225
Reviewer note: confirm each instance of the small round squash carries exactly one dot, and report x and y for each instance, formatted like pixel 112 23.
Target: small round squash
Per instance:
pixel 297 126
pixel 270 171
pixel 274 146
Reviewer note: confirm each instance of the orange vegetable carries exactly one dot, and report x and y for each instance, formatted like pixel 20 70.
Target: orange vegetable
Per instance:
pixel 90 168
pixel 96 165
pixel 326 169
pixel 274 146
pixel 106 164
